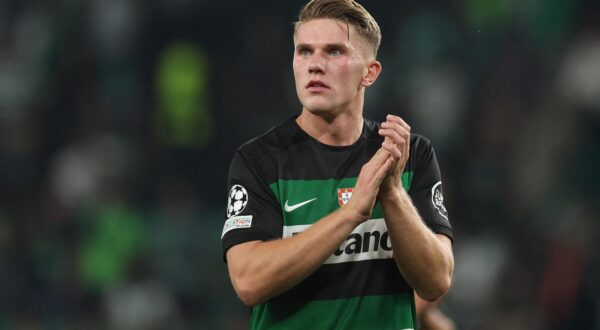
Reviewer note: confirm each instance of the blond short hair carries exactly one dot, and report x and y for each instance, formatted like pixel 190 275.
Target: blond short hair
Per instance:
pixel 347 11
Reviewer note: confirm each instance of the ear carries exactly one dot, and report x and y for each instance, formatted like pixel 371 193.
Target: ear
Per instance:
pixel 374 69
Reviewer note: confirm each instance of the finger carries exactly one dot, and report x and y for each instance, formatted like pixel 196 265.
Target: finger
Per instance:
pixel 376 161
pixel 383 170
pixel 393 150
pixel 405 133
pixel 398 138
pixel 397 127
pixel 379 157
pixel 370 172
pixel 398 120
pixel 406 151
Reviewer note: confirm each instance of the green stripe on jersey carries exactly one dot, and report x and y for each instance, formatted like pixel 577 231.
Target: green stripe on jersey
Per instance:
pixel 310 200
pixel 370 312
pixel 407 180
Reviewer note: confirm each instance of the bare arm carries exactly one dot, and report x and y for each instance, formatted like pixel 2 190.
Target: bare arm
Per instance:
pixel 261 270
pixel 424 258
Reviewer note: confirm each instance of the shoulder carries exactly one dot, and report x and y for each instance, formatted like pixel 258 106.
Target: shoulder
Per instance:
pixel 421 150
pixel 421 153
pixel 419 143
pixel 263 151
pixel 279 137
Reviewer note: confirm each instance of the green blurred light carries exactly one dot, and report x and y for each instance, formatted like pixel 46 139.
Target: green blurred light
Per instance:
pixel 183 116
pixel 487 14
pixel 549 22
pixel 115 236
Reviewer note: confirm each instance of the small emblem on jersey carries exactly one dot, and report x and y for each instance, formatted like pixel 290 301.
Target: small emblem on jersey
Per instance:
pixel 289 208
pixel 238 199
pixel 242 221
pixel 344 195
pixel 437 199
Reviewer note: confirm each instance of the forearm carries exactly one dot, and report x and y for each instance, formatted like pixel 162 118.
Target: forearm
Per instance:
pixel 263 270
pixel 423 259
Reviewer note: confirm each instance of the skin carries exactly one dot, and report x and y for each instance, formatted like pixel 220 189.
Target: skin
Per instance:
pixel 332 68
pixel 324 53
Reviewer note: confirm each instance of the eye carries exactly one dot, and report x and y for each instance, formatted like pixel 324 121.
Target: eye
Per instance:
pixel 335 52
pixel 304 52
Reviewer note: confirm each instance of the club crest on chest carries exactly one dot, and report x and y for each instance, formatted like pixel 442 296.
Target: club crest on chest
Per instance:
pixel 344 195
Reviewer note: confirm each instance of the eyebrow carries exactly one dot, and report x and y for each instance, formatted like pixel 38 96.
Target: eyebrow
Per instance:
pixel 333 45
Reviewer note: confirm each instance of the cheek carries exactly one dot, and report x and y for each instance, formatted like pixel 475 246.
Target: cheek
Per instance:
pixel 350 72
pixel 298 63
pixel 297 77
pixel 297 68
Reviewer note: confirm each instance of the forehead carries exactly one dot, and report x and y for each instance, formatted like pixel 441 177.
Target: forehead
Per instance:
pixel 325 31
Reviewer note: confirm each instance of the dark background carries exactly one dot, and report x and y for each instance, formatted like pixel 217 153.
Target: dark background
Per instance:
pixel 118 119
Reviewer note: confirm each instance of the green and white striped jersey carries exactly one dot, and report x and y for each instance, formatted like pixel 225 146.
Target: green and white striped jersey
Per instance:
pixel 284 181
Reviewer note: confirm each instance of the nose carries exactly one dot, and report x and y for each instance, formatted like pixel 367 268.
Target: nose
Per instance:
pixel 316 64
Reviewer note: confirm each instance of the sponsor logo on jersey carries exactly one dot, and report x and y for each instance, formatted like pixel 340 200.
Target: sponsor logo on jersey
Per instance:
pixel 344 195
pixel 242 221
pixel 369 240
pixel 437 199
pixel 237 201
pixel 290 208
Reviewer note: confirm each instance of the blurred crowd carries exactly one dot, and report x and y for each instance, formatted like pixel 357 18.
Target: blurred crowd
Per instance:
pixel 118 119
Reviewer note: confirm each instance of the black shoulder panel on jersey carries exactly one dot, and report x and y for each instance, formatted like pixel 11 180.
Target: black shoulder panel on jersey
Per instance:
pixel 426 187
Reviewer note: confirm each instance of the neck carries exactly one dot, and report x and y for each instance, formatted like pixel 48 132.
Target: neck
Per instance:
pixel 342 129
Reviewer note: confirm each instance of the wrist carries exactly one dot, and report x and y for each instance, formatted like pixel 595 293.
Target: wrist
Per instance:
pixel 349 214
pixel 392 194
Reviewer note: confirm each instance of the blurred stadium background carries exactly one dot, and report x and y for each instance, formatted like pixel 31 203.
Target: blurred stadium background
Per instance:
pixel 118 119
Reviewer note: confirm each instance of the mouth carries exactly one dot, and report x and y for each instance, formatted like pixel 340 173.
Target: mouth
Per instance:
pixel 316 85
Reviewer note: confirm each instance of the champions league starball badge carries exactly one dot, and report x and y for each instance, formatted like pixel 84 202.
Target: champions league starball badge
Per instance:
pixel 238 199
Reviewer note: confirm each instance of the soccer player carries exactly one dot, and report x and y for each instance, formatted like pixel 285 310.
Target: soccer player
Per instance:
pixel 336 221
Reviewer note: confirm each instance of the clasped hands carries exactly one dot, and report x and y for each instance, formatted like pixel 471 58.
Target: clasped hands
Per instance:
pixel 396 146
pixel 382 173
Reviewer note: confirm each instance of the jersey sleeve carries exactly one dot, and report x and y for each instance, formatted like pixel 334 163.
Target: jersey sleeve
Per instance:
pixel 426 190
pixel 252 209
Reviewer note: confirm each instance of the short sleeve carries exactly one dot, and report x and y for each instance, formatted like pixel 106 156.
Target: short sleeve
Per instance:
pixel 252 209
pixel 427 193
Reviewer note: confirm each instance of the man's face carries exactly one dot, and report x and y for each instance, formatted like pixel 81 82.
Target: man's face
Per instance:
pixel 330 63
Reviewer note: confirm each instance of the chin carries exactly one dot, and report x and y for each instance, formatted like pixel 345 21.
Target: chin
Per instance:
pixel 317 109
pixel 326 113
pixel 316 106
